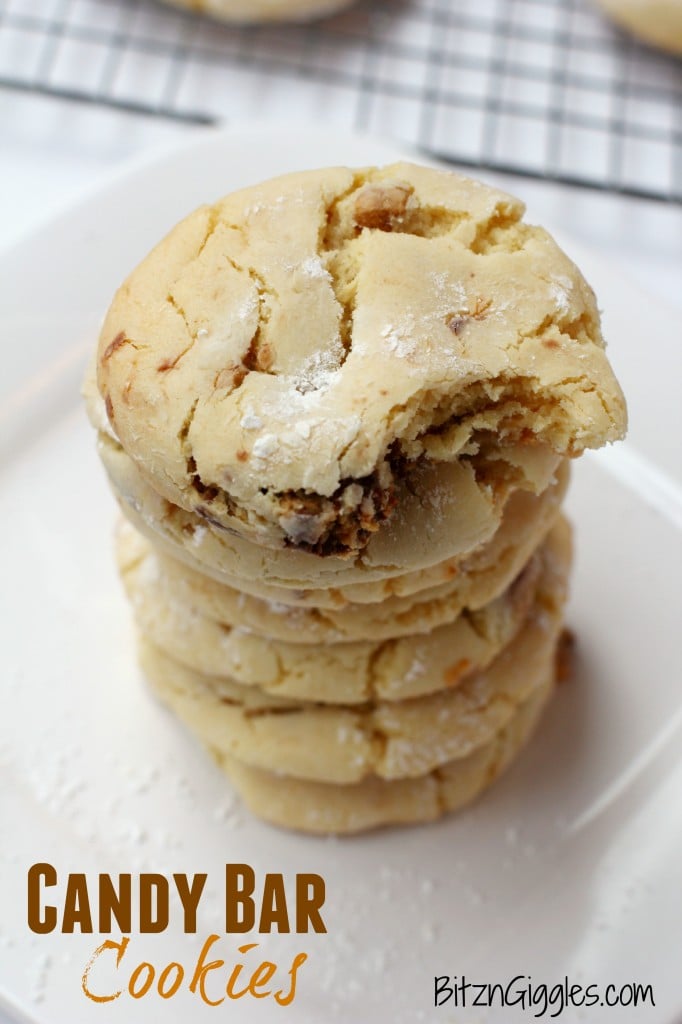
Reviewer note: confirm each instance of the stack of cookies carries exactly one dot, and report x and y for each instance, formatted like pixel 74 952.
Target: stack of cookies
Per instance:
pixel 337 410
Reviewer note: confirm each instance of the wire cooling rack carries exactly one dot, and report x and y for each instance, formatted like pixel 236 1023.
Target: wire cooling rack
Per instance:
pixel 546 88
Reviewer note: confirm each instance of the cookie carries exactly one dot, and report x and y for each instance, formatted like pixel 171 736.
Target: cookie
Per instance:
pixel 469 583
pixel 446 515
pixel 295 362
pixel 324 808
pixel 657 22
pixel 344 744
pixel 427 533
pixel 339 673
pixel 256 11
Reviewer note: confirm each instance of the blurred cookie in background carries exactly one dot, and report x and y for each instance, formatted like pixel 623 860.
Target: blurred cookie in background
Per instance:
pixel 657 22
pixel 253 11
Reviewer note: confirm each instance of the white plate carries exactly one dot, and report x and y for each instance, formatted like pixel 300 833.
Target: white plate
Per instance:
pixel 568 867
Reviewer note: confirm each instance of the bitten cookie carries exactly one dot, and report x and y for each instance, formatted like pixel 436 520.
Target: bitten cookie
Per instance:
pixel 293 363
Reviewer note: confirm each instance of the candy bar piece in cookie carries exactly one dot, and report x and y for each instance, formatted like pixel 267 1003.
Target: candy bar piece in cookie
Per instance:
pixel 290 362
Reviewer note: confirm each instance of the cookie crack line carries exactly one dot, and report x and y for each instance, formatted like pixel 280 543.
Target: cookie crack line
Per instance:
pixel 503 218
pixel 576 328
pixel 258 356
pixel 117 343
pixel 251 713
pixel 325 241
pixel 186 448
pixel 170 364
pixel 214 222
pixel 346 303
pixel 371 668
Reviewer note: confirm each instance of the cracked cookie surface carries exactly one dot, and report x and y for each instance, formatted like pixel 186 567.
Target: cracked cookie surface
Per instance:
pixel 290 362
